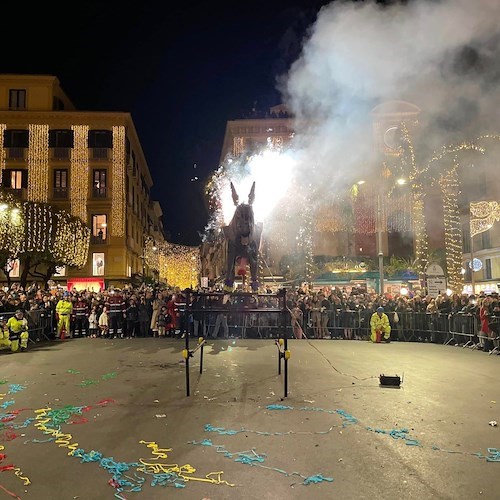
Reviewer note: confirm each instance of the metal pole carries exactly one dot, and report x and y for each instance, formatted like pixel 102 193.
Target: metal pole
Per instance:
pixel 186 351
pixel 472 280
pixel 380 246
pixel 286 366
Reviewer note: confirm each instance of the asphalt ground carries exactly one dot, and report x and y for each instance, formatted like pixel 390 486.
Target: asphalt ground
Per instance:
pixel 123 406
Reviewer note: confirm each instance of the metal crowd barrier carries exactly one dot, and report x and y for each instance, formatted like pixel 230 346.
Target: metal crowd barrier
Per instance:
pixel 458 328
pixel 40 323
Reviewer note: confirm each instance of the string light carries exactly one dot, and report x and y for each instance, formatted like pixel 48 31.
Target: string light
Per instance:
pixel 409 162
pixel 452 227
pixel 488 212
pixel 3 153
pixel 118 186
pixel 71 240
pixel 12 227
pixel 38 227
pixel 177 265
pixel 79 172
pixel 38 163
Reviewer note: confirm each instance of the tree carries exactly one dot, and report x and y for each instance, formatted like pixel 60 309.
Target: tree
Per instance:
pixel 42 237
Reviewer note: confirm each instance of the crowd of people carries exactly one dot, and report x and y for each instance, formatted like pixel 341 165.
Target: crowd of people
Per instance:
pixel 327 313
pixel 339 313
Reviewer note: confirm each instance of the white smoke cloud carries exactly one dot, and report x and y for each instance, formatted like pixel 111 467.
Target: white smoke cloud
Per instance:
pixel 439 55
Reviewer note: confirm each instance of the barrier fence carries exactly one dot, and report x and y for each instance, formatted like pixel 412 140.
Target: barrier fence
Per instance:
pixel 41 323
pixel 459 328
pixel 269 322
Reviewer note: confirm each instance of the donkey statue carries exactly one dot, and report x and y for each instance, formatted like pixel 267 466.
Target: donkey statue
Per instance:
pixel 243 238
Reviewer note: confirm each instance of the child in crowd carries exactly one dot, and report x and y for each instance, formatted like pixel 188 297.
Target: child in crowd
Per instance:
pixel 104 323
pixel 162 321
pixel 93 323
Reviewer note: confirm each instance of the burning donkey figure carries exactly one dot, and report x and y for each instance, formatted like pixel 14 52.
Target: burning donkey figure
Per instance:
pixel 243 237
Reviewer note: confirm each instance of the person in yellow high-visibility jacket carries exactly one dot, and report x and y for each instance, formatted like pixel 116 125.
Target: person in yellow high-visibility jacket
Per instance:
pixel 15 332
pixel 64 309
pixel 379 323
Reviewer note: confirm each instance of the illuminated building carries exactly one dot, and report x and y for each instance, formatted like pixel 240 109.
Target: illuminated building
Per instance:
pixel 415 202
pixel 89 164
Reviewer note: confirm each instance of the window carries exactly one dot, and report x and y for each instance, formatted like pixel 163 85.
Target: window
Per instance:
pixel 17 99
pixel 100 139
pixel 487 270
pixel 98 264
pixel 485 240
pixel 466 238
pixel 60 184
pixel 61 138
pixel 15 138
pixel 99 229
pixel 99 183
pixel 15 179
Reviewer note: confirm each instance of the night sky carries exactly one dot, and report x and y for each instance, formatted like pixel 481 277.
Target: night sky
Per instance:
pixel 182 72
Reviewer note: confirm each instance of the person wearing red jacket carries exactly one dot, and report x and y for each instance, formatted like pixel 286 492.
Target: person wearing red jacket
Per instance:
pixel 116 308
pixel 81 313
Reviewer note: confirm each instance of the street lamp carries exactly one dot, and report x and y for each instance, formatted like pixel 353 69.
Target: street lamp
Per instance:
pixel 380 247
pixel 380 230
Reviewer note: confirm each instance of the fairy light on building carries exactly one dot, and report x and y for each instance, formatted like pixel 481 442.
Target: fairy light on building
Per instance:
pixel 118 184
pixel 79 172
pixel 2 151
pixel 38 163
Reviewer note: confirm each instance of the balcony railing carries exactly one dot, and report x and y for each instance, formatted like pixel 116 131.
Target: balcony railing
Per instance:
pixel 18 194
pixel 60 153
pixel 99 153
pixel 60 193
pixel 99 192
pixel 16 153
pixel 97 240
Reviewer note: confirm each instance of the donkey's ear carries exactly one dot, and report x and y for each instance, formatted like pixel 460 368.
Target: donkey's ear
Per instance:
pixel 235 195
pixel 251 196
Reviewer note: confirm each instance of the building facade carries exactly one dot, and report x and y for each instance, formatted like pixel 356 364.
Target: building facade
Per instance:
pixel 389 223
pixel 89 164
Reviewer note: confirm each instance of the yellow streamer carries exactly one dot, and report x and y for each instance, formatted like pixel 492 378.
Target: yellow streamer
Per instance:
pixel 160 452
pixel 183 471
pixel 180 470
pixel 63 440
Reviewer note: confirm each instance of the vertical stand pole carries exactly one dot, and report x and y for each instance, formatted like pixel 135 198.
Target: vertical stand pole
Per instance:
pixel 472 279
pixel 279 357
pixel 286 366
pixel 201 357
pixel 285 339
pixel 186 337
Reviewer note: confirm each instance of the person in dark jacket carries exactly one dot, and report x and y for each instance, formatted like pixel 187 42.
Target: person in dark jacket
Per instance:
pixel 131 318
pixel 144 317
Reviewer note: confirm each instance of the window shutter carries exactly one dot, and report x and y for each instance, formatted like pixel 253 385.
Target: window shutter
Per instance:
pixel 24 179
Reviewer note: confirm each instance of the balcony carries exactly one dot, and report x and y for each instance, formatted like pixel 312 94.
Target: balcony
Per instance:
pixel 60 153
pixel 99 192
pixel 18 194
pixel 15 153
pixel 97 240
pixel 99 153
pixel 60 193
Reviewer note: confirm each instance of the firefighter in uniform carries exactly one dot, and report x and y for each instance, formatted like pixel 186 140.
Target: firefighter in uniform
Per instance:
pixel 81 313
pixel 15 332
pixel 64 309
pixel 116 312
